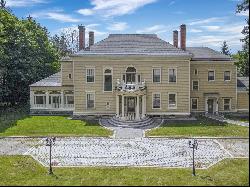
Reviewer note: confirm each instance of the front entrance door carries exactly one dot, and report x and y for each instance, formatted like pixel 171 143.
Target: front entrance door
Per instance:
pixel 131 108
pixel 210 103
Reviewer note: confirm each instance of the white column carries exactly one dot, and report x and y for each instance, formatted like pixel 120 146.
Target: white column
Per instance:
pixel 31 99
pixel 137 114
pixel 117 106
pixel 47 99
pixel 217 106
pixel 206 105
pixel 143 106
pixel 123 106
pixel 62 99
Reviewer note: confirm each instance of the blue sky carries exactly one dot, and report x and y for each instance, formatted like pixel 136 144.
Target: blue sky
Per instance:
pixel 209 22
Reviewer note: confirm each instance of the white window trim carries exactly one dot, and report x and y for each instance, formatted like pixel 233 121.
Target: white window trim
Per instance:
pixel 105 68
pixel 40 95
pixel 176 76
pixel 208 75
pixel 230 76
pixel 176 101
pixel 192 103
pixel 153 68
pixel 197 71
pixel 90 92
pixel 193 85
pixel 153 100
pixel 230 104
pixel 87 68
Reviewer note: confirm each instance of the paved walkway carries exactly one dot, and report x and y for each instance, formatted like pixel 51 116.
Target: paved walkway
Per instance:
pixel 134 152
pixel 128 133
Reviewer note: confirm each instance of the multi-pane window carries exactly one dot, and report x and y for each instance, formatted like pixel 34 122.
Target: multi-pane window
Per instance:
pixel 227 104
pixel 227 76
pixel 157 75
pixel 172 75
pixel 156 100
pixel 108 80
pixel 90 73
pixel 172 100
pixel 194 103
pixel 195 85
pixel 211 76
pixel 40 100
pixel 90 100
pixel 69 99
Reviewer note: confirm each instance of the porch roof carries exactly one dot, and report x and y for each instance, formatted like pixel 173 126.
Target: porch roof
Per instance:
pixel 51 81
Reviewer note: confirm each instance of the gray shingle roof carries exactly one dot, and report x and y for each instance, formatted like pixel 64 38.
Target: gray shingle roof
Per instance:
pixel 133 44
pixel 243 83
pixel 51 81
pixel 205 53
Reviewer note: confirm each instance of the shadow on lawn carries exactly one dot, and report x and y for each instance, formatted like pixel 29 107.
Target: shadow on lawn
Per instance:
pixel 200 122
pixel 9 116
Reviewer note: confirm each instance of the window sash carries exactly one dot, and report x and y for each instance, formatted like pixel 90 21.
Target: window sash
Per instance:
pixel 227 76
pixel 90 101
pixel 194 104
pixel 90 75
pixel 156 101
pixel 211 76
pixel 227 104
pixel 172 100
pixel 156 75
pixel 107 82
pixel 172 75
pixel 195 85
pixel 40 100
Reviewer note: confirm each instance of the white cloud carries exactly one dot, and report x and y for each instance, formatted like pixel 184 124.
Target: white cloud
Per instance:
pixel 111 8
pixel 243 13
pixel 23 3
pixel 154 29
pixel 211 28
pixel 208 20
pixel 57 15
pixel 195 30
pixel 119 26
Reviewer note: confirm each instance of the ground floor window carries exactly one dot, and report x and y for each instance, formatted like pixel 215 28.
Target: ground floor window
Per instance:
pixel 227 104
pixel 90 100
pixel 40 100
pixel 172 101
pixel 69 99
pixel 194 103
pixel 156 100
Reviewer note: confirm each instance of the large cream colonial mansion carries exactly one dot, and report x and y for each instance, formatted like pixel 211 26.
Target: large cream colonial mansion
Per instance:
pixel 132 76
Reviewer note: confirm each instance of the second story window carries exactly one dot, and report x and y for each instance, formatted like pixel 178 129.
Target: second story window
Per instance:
pixel 211 76
pixel 107 80
pixel 196 72
pixel 157 75
pixel 227 76
pixel 90 75
pixel 172 75
pixel 195 85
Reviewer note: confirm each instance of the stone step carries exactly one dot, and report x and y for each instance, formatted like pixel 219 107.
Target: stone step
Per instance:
pixel 129 123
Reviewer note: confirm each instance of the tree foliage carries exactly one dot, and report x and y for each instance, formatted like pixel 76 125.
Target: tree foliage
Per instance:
pixel 243 55
pixel 26 56
pixel 225 49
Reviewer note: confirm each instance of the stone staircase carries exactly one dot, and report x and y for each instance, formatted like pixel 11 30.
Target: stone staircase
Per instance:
pixel 146 123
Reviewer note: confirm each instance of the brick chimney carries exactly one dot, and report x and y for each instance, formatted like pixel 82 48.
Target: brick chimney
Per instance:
pixel 175 38
pixel 183 37
pixel 91 38
pixel 81 37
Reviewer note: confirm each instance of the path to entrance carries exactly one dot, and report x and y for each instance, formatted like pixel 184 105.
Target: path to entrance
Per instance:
pixel 230 121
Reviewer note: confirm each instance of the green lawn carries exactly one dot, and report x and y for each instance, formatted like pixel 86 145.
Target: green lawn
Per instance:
pixel 17 122
pixel 202 127
pixel 20 170
pixel 54 126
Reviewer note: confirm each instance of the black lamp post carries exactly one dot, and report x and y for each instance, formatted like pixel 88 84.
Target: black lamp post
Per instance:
pixel 49 142
pixel 194 146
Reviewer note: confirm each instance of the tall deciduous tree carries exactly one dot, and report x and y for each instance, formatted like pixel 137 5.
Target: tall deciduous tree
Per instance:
pixel 243 55
pixel 26 56
pixel 225 49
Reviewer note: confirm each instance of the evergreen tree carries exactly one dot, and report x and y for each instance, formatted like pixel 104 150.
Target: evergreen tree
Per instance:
pixel 225 49
pixel 243 55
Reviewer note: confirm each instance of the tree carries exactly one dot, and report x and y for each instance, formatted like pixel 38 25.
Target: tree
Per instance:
pixel 225 49
pixel 26 56
pixel 243 55
pixel 2 4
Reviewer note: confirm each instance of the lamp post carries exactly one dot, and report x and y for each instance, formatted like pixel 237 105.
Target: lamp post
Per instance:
pixel 194 146
pixel 49 142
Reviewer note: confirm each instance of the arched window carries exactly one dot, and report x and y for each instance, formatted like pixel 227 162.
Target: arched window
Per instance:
pixel 130 75
pixel 131 70
pixel 108 80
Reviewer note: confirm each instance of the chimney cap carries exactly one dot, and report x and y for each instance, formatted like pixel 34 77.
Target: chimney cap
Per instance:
pixel 183 25
pixel 81 26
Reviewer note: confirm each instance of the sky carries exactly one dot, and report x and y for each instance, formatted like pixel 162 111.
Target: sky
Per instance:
pixel 209 22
